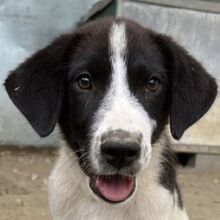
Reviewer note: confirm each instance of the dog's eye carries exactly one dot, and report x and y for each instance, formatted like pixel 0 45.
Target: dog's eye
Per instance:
pixel 84 82
pixel 153 84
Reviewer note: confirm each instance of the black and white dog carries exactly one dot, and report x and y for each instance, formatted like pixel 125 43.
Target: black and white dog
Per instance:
pixel 112 85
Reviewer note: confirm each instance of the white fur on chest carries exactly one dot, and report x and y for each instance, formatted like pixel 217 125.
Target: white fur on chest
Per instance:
pixel 71 199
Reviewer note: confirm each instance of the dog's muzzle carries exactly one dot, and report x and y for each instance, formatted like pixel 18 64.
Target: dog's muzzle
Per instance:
pixel 119 152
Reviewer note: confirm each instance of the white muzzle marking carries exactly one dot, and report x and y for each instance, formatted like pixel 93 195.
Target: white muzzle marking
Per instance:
pixel 119 109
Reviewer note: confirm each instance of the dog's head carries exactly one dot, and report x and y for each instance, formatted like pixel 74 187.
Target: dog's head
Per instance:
pixel 112 85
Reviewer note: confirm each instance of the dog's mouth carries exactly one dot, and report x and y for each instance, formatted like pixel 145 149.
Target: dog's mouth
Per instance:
pixel 113 188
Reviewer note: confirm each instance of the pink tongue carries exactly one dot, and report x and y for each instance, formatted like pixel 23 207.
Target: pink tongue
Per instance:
pixel 114 188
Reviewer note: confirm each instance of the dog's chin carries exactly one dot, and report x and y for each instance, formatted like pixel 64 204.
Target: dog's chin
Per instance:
pixel 113 188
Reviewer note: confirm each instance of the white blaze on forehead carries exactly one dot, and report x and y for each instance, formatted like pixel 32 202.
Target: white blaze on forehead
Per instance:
pixel 119 108
pixel 118 43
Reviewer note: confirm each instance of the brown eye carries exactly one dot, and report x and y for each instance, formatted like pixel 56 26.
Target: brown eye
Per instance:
pixel 153 84
pixel 84 82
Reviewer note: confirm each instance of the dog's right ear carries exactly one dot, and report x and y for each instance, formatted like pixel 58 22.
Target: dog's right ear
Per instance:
pixel 37 86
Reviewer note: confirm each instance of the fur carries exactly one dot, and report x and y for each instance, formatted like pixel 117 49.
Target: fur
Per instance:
pixel 112 79
pixel 69 194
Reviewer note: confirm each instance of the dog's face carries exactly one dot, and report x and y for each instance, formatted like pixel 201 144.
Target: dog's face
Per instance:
pixel 112 85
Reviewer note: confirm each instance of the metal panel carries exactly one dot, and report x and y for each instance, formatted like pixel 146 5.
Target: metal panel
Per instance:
pixel 199 33
pixel 25 26
pixel 198 5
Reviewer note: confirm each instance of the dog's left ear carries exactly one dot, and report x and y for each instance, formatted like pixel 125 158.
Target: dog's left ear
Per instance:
pixel 192 91
pixel 37 86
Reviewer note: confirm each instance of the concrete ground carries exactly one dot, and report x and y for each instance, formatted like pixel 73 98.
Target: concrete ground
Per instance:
pixel 23 187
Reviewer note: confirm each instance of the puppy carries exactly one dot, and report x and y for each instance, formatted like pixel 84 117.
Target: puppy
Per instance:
pixel 112 86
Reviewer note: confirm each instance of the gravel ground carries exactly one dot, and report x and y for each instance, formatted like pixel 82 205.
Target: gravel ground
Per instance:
pixel 23 187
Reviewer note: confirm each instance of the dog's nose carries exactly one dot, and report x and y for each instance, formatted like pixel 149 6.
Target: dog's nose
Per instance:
pixel 120 155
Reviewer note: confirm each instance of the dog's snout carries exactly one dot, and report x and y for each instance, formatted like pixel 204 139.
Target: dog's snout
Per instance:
pixel 120 148
pixel 120 155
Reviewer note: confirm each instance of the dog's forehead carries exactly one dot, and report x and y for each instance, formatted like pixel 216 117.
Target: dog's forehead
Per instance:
pixel 99 34
pixel 101 39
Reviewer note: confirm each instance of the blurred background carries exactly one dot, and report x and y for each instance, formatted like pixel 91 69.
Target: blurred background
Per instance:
pixel 26 159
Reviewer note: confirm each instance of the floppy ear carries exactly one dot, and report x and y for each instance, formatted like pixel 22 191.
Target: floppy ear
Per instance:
pixel 192 91
pixel 37 86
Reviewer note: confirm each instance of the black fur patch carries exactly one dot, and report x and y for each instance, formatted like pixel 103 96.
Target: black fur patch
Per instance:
pixel 168 173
